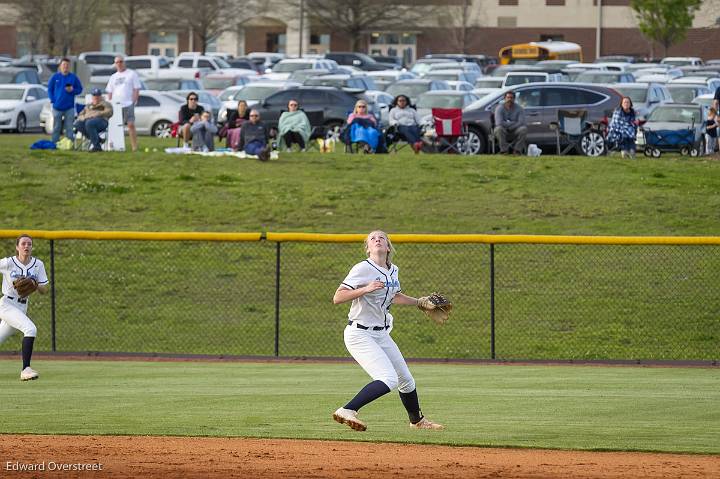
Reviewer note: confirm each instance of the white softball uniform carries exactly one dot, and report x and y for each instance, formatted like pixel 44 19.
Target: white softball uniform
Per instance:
pixel 13 308
pixel 367 335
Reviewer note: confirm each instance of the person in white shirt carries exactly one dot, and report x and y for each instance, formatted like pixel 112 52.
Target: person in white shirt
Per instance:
pixel 373 286
pixel 124 86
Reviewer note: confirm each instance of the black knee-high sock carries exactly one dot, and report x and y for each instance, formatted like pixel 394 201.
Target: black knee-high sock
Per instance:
pixel 27 347
pixel 368 394
pixel 412 405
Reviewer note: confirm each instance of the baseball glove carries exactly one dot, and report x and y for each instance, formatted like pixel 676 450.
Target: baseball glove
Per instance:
pixel 25 286
pixel 436 306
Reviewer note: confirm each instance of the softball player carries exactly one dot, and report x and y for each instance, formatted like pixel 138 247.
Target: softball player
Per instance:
pixel 13 308
pixel 373 286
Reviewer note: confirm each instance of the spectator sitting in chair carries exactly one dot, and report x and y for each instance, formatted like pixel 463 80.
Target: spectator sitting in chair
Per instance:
pixel 203 133
pixel 254 136
pixel 407 120
pixel 235 120
pixel 362 128
pixel 93 119
pixel 189 113
pixel 294 126
pixel 510 127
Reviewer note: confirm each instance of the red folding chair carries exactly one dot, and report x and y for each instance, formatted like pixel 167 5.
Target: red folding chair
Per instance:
pixel 450 134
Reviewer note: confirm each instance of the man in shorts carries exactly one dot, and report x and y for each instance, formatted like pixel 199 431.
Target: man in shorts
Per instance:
pixel 124 86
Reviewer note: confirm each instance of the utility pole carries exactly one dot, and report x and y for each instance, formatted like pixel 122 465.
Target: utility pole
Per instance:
pixel 302 21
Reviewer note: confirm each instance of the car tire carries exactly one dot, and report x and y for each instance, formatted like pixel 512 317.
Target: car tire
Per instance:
pixel 21 125
pixel 698 150
pixel 656 153
pixel 161 129
pixel 475 144
pixel 592 144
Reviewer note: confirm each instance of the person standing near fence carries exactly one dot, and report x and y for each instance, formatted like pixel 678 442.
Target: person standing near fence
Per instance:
pixel 373 286
pixel 13 306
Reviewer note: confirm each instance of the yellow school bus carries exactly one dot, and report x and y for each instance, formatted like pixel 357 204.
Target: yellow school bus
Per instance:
pixel 536 51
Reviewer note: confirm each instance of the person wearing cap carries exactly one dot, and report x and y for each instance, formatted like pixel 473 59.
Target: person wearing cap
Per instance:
pixel 93 119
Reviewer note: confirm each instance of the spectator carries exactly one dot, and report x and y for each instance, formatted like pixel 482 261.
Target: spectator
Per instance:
pixel 711 131
pixel 254 137
pixel 93 119
pixel 510 127
pixel 189 114
pixel 203 133
pixel 63 87
pixel 362 129
pixel 235 120
pixel 622 130
pixel 294 126
pixel 407 121
pixel 124 85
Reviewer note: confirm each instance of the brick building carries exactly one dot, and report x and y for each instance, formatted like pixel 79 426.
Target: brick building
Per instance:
pixel 600 26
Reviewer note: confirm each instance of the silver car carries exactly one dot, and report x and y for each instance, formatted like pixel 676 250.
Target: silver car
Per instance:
pixel 20 106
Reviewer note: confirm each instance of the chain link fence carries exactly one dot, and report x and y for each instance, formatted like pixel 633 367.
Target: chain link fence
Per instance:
pixel 266 298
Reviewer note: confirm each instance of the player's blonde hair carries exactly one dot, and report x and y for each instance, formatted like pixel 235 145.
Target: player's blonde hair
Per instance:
pixel 391 248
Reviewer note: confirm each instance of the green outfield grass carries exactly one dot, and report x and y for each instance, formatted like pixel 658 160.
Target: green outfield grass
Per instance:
pixel 593 408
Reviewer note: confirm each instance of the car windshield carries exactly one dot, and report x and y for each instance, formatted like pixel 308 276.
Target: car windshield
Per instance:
pixel 217 83
pixel 420 68
pixel 682 94
pixel 637 95
pixel 442 76
pixel 596 78
pixel 521 79
pixel 440 101
pixel 289 67
pixel 11 94
pixel 675 115
pixel 489 83
pixel 162 85
pixel 413 90
pixel 254 93
pixel 222 63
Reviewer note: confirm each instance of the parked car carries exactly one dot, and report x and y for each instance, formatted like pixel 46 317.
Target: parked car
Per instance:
pixel 397 61
pixel 360 60
pixel 613 66
pixel 415 87
pixel 460 86
pixel 381 102
pixel 265 60
pixel 169 84
pixel 661 70
pixel 284 68
pixel 423 65
pixel 346 82
pixel 706 100
pixel 645 96
pixel 489 82
pixel 442 99
pixel 680 61
pixel 616 59
pixel 677 117
pixel 541 102
pixel 208 63
pixel 45 68
pixel 246 63
pixel 471 69
pixel 334 104
pixel 383 78
pixel 147 63
pixel 522 77
pixel 684 93
pixel 99 58
pixel 214 83
pixel 713 83
pixel 19 75
pixel 605 77
pixel 653 78
pixel 20 106
pixel 449 75
pixel 252 93
pixel 302 75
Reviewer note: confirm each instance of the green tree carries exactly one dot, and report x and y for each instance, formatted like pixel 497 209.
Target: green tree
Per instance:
pixel 665 21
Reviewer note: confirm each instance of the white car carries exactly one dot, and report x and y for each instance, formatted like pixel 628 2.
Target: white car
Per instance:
pixel 682 61
pixel 712 83
pixel 284 68
pixel 20 106
pixel 253 93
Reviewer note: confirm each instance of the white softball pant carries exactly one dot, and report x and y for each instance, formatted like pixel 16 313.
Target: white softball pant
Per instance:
pixel 379 356
pixel 12 318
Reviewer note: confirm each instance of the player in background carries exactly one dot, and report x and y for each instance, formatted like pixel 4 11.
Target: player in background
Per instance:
pixel 373 286
pixel 13 308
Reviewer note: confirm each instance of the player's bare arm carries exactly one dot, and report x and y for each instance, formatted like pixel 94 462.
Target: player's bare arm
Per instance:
pixel 401 298
pixel 43 288
pixel 343 294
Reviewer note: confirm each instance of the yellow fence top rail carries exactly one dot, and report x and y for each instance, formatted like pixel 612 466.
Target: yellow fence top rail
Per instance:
pixel 359 237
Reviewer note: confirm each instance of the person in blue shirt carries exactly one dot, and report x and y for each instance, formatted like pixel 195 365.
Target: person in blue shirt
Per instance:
pixel 63 87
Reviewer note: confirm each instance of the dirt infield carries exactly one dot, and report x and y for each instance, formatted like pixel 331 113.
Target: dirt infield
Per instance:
pixel 30 456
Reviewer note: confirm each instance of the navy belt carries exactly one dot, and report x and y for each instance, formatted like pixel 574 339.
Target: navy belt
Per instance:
pixel 374 328
pixel 19 300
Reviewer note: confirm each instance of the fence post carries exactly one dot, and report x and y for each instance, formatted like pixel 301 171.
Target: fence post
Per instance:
pixel 492 301
pixel 52 296
pixel 277 299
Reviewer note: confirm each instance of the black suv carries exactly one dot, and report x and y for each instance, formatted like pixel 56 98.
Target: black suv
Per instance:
pixel 335 105
pixel 360 60
pixel 541 102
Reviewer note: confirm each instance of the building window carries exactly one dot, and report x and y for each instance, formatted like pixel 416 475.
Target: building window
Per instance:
pixel 555 3
pixel 162 43
pixel 507 3
pixel 112 42
pixel 507 22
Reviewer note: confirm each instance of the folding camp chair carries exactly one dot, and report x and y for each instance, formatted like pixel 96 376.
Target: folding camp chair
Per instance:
pixel 450 134
pixel 570 128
